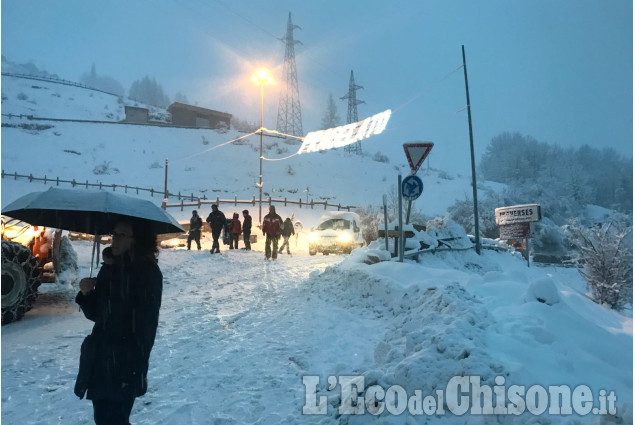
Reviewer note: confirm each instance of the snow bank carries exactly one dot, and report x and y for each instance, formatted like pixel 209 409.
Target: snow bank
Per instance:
pixel 458 313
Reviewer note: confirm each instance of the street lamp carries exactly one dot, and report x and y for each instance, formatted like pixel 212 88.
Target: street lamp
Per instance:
pixel 261 77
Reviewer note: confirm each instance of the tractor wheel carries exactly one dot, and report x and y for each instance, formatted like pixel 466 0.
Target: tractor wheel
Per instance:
pixel 312 251
pixel 20 280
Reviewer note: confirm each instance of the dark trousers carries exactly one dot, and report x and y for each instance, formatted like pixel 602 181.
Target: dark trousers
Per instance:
pixel 215 244
pixel 194 236
pixel 269 253
pixel 285 243
pixel 112 412
pixel 246 236
pixel 233 242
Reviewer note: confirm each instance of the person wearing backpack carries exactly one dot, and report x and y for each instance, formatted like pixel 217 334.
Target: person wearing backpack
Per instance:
pixel 271 228
pixel 287 231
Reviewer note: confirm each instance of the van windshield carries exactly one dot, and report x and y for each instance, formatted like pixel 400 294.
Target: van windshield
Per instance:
pixel 335 224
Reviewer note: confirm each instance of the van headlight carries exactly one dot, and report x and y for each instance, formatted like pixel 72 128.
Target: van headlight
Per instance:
pixel 344 237
pixel 313 237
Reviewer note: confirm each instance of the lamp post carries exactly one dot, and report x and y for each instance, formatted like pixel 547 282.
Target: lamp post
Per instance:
pixel 261 77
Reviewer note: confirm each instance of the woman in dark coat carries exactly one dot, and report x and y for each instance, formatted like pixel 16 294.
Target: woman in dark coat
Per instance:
pixel 124 302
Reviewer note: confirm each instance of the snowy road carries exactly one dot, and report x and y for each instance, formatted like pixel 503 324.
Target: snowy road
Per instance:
pixel 235 336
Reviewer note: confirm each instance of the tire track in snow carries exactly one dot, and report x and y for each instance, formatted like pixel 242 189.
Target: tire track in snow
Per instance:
pixel 216 314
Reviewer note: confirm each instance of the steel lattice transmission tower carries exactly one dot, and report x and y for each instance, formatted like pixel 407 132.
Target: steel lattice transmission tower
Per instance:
pixel 351 116
pixel 289 112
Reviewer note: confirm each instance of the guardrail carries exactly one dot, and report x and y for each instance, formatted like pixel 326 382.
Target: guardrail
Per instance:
pixel 60 81
pixel 253 202
pixel 185 200
pixel 86 184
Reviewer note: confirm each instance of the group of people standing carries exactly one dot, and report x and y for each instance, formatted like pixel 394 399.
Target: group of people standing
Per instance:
pixel 272 228
pixel 217 222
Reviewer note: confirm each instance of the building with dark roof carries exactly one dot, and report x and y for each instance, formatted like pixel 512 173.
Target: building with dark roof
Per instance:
pixel 195 116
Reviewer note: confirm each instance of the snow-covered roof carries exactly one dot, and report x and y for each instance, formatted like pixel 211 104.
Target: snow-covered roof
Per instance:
pixel 345 215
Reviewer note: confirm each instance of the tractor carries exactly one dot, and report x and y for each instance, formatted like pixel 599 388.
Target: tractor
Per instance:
pixel 30 256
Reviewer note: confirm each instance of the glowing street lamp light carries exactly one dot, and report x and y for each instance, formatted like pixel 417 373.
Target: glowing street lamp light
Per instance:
pixel 261 77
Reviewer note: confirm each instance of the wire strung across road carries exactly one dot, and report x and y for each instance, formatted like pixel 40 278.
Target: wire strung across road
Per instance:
pixel 242 137
pixel 425 89
pixel 216 147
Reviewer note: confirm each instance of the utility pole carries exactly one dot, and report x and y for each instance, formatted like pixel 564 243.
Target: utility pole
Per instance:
pixel 262 106
pixel 351 115
pixel 469 121
pixel 289 112
pixel 165 187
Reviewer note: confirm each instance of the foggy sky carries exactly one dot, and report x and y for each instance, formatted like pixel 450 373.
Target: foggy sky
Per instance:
pixel 560 71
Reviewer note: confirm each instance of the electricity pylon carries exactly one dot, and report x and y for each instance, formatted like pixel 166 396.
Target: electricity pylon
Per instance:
pixel 289 112
pixel 351 116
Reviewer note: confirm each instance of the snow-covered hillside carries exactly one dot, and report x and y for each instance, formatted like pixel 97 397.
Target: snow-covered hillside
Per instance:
pixel 41 98
pixel 199 161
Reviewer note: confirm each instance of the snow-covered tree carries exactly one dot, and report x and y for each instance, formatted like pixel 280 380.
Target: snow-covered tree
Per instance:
pixel 28 68
pixel 244 125
pixel 561 180
pixel 181 98
pixel 371 217
pixel 148 91
pixel 462 212
pixel 330 118
pixel 606 260
pixel 101 82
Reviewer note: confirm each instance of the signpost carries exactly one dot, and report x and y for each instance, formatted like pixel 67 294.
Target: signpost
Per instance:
pixel 411 187
pixel 515 230
pixel 517 214
pixel 416 153
pixel 516 222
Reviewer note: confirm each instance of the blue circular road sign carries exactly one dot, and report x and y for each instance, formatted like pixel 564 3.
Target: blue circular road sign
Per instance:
pixel 411 187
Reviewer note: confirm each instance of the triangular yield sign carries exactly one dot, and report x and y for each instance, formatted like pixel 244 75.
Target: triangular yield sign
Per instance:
pixel 416 153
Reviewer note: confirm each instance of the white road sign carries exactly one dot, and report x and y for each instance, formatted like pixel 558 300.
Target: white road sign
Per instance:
pixel 517 214
pixel 416 153
pixel 515 231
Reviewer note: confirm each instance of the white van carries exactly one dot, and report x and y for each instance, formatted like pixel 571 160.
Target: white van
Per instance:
pixel 337 232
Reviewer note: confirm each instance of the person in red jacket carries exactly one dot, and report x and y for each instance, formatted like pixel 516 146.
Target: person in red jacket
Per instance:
pixel 272 229
pixel 235 230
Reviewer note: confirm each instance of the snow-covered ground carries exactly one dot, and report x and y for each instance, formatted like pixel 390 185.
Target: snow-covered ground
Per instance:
pixel 238 334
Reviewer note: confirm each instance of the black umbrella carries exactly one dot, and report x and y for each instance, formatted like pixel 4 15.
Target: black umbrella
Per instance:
pixel 87 211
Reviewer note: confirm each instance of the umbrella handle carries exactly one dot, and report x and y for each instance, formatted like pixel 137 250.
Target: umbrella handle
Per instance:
pixel 96 241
